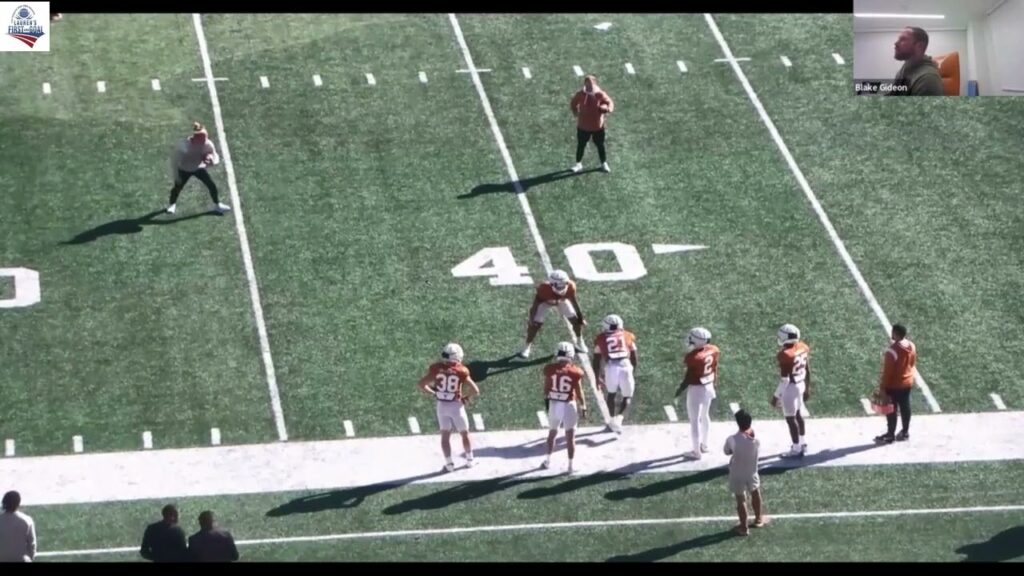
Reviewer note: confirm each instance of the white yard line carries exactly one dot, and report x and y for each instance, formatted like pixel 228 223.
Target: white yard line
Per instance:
pixel 815 204
pixel 576 524
pixel 531 222
pixel 243 237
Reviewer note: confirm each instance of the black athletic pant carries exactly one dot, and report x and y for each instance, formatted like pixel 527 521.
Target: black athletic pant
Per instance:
pixel 900 397
pixel 203 177
pixel 582 137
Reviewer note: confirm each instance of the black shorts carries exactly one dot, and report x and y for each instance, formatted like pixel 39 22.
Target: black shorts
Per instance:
pixel 584 136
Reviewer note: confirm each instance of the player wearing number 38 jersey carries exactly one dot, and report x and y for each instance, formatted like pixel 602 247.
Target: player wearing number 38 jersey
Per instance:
pixel 701 363
pixel 794 386
pixel 445 381
pixel 562 390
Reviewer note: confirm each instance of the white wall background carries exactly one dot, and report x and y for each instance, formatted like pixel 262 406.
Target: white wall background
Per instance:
pixel 873 52
pixel 1003 42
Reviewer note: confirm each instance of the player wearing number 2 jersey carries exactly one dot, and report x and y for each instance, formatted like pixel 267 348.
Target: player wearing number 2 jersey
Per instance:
pixel 615 347
pixel 701 363
pixel 562 390
pixel 444 381
pixel 794 384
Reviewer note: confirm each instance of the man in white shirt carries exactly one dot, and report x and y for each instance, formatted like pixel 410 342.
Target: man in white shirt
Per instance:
pixel 743 477
pixel 191 158
pixel 17 531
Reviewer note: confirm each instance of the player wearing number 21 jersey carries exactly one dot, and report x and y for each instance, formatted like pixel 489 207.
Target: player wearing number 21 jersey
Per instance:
pixel 615 348
pixel 562 390
pixel 701 364
pixel 448 381
pixel 794 387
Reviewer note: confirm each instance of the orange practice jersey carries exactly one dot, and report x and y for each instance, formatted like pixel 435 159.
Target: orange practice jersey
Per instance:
pixel 702 366
pixel 562 380
pixel 615 344
pixel 898 365
pixel 545 293
pixel 793 362
pixel 448 380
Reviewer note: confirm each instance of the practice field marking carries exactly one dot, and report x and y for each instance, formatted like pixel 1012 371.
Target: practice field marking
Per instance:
pixel 9 447
pixel 681 65
pixel 243 237
pixel 670 413
pixel 414 425
pixel 423 77
pixel 786 62
pixel 264 82
pixel 671 248
pixel 526 73
pixel 866 404
pixel 542 419
pixel 815 204
pixel 734 406
pixel 838 58
pixel 155 84
pixel 27 291
pixel 998 401
pixel 350 430
pixel 571 525
pixel 577 70
pixel 46 88
pixel 101 86
pixel 370 79
pixel 478 421
pixel 147 440
pixel 317 80
pixel 77 444
pixel 630 69
pixel 730 59
pixel 215 436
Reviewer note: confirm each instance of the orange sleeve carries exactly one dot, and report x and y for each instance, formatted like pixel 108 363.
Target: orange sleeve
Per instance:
pixel 607 101
pixel 888 366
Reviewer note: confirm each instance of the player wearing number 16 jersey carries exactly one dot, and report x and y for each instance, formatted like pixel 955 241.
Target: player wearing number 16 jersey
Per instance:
pixel 794 384
pixel 701 363
pixel 445 381
pixel 615 347
pixel 562 390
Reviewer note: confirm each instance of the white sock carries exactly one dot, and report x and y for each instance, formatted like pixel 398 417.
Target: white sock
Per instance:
pixel 802 441
pixel 469 455
pixel 449 460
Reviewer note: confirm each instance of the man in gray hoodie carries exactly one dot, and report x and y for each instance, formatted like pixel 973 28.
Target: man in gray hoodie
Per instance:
pixel 919 72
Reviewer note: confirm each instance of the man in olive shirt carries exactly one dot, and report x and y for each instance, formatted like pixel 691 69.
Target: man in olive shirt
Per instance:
pixel 919 72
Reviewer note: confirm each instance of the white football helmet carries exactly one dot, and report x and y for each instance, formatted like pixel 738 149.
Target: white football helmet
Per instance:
pixel 788 334
pixel 611 322
pixel 559 281
pixel 565 352
pixel 698 338
pixel 452 352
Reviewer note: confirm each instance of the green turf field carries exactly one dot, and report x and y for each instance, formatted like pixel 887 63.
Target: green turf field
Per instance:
pixel 358 199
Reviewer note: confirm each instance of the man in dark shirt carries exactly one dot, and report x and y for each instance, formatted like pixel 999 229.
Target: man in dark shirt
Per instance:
pixel 211 544
pixel 164 541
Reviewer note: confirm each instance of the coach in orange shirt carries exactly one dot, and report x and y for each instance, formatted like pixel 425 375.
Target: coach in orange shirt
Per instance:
pixel 898 363
pixel 589 106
